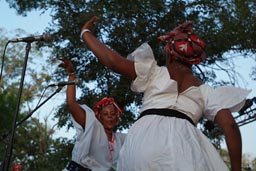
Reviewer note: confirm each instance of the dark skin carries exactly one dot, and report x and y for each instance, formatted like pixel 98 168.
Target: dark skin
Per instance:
pixel 108 114
pixel 179 72
pixel 182 74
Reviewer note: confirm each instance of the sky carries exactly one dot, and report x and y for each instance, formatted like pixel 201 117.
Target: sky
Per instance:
pixel 34 23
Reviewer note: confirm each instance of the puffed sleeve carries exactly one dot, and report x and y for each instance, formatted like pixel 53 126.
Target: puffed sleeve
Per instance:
pixel 225 97
pixel 84 136
pixel 90 119
pixel 145 65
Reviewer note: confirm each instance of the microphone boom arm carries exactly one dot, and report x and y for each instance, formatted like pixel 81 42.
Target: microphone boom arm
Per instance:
pixel 38 106
pixel 5 163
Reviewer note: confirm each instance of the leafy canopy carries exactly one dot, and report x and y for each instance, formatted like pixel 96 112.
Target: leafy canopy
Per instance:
pixel 225 25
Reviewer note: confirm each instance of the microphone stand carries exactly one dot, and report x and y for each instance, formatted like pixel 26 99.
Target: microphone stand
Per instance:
pixel 24 119
pixel 9 148
pixel 7 157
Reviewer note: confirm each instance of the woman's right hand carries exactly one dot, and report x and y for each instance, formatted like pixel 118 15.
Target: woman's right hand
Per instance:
pixel 74 108
pixel 67 65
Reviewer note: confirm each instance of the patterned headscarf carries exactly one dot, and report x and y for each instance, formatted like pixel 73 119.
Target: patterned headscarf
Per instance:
pixel 104 102
pixel 17 167
pixel 184 45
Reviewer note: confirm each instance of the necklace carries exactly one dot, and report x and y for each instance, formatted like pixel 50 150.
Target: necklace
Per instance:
pixel 111 148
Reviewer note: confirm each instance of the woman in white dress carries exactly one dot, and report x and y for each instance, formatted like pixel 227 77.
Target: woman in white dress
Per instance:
pixel 165 138
pixel 97 146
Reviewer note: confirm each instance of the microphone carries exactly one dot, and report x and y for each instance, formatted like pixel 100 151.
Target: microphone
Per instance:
pixel 45 37
pixel 63 83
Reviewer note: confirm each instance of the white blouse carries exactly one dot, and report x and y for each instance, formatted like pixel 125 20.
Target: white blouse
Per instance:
pixel 159 143
pixel 91 148
pixel 162 92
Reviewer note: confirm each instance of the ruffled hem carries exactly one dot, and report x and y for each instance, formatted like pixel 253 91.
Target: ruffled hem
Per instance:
pixel 232 97
pixel 177 145
pixel 225 97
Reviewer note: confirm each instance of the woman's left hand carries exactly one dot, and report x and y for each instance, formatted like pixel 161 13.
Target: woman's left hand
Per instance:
pixel 91 23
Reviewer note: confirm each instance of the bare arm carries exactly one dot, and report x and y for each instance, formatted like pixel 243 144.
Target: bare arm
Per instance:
pixel 107 56
pixel 233 139
pixel 75 109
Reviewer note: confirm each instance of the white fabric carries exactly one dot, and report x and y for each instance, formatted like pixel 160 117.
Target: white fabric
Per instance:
pixel 91 146
pixel 158 143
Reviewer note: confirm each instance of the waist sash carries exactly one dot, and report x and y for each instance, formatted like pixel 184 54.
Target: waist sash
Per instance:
pixel 73 166
pixel 166 112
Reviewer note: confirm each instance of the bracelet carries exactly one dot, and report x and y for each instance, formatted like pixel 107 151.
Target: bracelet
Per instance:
pixel 82 33
pixel 72 73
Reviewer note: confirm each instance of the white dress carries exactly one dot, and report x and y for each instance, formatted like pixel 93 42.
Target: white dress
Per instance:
pixel 159 143
pixel 91 146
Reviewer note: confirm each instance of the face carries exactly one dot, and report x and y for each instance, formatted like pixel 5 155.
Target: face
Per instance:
pixel 108 116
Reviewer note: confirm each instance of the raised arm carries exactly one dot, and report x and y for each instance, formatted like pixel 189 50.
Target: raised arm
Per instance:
pixel 107 56
pixel 74 108
pixel 233 139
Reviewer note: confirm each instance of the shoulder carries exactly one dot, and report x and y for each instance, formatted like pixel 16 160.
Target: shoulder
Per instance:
pixel 120 136
pixel 188 81
pixel 87 109
pixel 142 53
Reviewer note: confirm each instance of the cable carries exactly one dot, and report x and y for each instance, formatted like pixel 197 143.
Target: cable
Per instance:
pixel 3 61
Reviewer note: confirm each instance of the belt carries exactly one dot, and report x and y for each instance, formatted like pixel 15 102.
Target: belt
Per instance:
pixel 166 112
pixel 73 166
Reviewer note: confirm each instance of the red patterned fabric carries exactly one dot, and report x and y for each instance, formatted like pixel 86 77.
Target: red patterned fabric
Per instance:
pixel 103 102
pixel 17 167
pixel 183 44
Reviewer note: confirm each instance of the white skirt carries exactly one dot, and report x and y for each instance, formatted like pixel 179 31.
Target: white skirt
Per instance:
pixel 158 143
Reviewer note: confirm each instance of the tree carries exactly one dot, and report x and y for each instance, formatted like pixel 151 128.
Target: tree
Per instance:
pixel 228 27
pixel 254 164
pixel 33 144
pixel 37 150
pixel 247 163
pixel 12 64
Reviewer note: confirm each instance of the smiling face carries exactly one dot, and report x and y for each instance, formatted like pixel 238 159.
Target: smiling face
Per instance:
pixel 108 116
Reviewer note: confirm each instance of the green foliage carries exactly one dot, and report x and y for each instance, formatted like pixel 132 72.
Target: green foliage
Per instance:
pixel 226 26
pixel 13 65
pixel 247 163
pixel 35 148
pixel 8 101
pixel 33 145
pixel 254 164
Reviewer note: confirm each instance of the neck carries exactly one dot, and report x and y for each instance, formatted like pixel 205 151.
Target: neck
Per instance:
pixel 178 66
pixel 109 133
pixel 178 70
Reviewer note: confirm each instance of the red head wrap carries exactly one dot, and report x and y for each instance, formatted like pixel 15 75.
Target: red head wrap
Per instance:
pixel 104 102
pixel 16 167
pixel 184 45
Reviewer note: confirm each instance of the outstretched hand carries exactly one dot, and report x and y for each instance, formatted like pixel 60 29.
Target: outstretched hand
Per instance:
pixel 91 23
pixel 67 65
